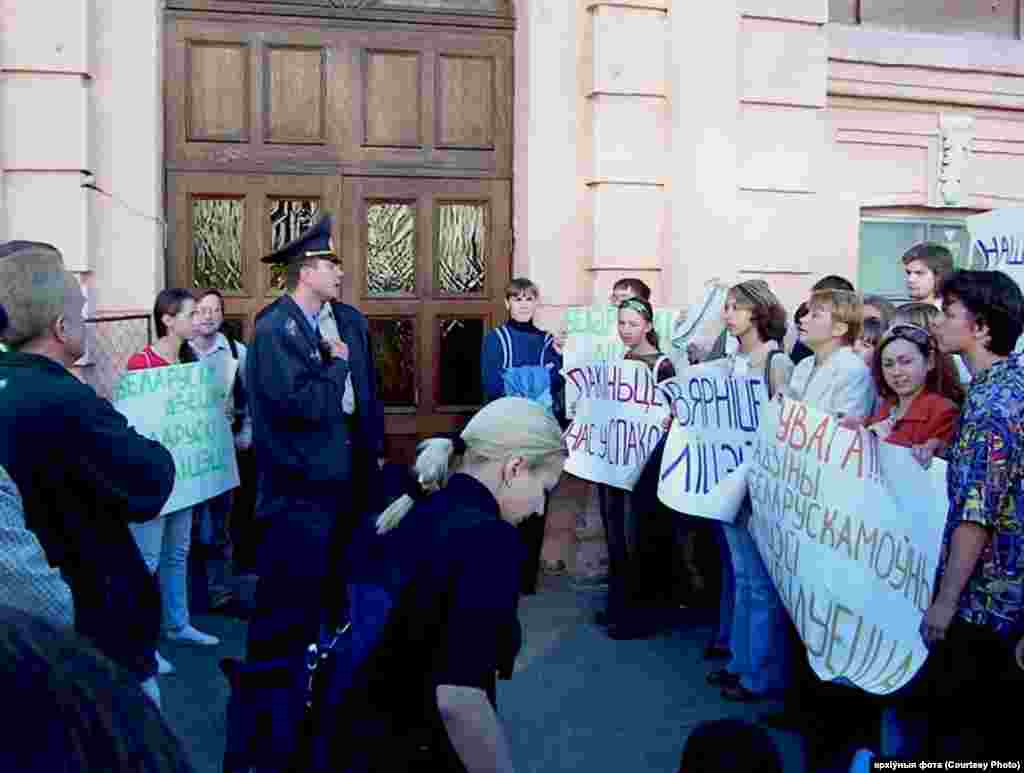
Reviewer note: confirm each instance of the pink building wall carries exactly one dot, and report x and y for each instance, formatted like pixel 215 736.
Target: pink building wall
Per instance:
pixel 737 139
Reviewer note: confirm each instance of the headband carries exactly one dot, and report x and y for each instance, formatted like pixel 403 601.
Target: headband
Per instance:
pixel 639 306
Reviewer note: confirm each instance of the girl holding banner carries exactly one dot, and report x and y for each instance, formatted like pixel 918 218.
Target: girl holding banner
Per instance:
pixel 164 541
pixel 627 588
pixel 758 641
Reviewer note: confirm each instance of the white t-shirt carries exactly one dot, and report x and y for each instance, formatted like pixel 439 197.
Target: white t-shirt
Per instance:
pixel 219 356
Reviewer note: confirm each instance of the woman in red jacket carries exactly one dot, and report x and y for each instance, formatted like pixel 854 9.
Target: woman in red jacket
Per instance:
pixel 919 387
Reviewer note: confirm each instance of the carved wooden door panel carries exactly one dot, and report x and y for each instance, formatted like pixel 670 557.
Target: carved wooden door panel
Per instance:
pixel 397 121
pixel 222 226
pixel 427 262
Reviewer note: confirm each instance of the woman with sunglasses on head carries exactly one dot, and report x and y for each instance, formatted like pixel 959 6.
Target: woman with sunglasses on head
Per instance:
pixel 919 388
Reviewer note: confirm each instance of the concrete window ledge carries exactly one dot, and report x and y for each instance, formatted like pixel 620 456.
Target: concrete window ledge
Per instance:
pixel 982 54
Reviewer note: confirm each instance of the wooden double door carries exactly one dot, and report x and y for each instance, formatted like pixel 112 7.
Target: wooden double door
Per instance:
pixel 404 136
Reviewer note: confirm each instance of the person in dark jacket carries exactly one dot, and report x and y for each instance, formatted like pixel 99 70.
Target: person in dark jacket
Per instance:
pixel 426 694
pixel 83 473
pixel 519 344
pixel 76 709
pixel 297 388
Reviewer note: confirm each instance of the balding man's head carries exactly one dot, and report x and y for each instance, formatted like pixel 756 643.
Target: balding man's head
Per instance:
pixel 38 292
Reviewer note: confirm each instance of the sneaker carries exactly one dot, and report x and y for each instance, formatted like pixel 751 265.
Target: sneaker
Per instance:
pixel 190 635
pixel 163 666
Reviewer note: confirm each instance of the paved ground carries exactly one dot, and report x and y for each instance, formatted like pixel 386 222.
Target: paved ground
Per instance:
pixel 579 701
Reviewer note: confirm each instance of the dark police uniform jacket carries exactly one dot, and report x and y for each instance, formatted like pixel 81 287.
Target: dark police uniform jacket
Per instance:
pixel 302 444
pixel 354 330
pixel 84 475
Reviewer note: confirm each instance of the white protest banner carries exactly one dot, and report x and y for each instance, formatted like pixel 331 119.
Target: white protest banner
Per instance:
pixel 182 407
pixel 997 244
pixel 850 530
pixel 594 333
pixel 703 470
pixel 617 422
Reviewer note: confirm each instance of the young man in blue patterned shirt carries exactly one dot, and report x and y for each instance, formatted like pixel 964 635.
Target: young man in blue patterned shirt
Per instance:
pixel 975 614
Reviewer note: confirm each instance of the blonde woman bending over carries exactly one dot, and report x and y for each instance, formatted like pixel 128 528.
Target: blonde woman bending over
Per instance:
pixel 448 557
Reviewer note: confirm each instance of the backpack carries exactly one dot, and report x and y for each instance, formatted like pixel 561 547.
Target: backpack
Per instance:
pixel 530 381
pixel 534 382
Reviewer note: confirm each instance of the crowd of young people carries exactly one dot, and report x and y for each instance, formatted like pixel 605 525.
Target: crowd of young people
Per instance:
pixel 937 376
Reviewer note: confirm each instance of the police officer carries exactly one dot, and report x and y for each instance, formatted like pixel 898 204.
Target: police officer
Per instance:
pixel 303 447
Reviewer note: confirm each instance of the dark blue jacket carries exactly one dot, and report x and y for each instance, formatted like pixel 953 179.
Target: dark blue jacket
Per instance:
pixel 300 435
pixel 355 332
pixel 512 345
pixel 84 475
pixel 452 571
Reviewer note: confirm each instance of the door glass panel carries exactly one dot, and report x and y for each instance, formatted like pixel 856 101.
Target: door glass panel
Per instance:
pixel 390 248
pixel 461 253
pixel 394 351
pixel 882 244
pixel 458 378
pixel 217 243
pixel 288 219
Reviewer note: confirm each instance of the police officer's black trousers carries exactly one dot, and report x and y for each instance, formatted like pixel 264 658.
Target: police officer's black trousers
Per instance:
pixel 293 562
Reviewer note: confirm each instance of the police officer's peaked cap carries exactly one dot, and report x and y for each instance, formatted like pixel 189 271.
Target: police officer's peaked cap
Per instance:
pixel 314 242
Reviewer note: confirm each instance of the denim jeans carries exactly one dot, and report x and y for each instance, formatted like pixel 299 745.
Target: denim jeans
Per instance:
pixel 759 644
pixel 164 544
pixel 727 600
pixel 213 533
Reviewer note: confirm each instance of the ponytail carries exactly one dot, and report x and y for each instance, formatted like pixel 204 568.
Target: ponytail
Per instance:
pixel 433 459
pixel 509 426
